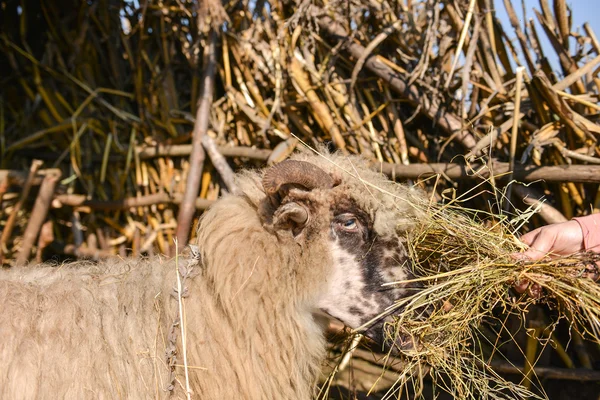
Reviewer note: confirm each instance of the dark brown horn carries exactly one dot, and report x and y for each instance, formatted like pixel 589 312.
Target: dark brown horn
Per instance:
pixel 298 172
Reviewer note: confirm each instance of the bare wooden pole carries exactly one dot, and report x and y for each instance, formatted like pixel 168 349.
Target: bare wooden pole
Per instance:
pixel 38 215
pixel 6 232
pixel 187 208
pixel 78 200
pixel 571 173
pixel 575 374
pixel 218 160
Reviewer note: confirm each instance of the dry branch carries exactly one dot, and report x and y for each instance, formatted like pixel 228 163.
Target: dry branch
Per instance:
pixel 548 213
pixel 38 216
pixel 220 163
pixel 146 152
pixel 187 207
pixel 575 374
pixel 522 173
pixel 8 227
pixel 76 200
pixel 447 121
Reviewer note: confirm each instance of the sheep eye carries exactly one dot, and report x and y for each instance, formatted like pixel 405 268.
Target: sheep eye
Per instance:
pixel 348 224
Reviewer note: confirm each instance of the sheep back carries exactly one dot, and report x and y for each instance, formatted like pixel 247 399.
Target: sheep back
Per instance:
pixel 85 331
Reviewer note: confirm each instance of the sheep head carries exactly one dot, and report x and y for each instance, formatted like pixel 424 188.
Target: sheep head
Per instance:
pixel 364 251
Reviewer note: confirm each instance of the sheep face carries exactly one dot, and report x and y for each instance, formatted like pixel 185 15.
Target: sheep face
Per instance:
pixel 363 261
pixel 362 256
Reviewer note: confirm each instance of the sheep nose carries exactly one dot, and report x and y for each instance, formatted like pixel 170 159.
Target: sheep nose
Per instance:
pixel 390 340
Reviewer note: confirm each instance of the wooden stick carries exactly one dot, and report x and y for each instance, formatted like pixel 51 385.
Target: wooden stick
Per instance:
pixel 461 42
pixel 571 173
pixel 564 173
pixel 575 76
pixel 514 133
pixel 35 165
pixel 78 200
pixel 183 150
pixel 145 152
pixel 187 208
pixel 514 21
pixel 548 213
pixel 38 215
pixel 575 374
pixel 220 164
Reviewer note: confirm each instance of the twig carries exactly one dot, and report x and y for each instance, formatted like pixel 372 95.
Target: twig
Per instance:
pixel 182 322
pixel 568 65
pixel 548 213
pixel 220 163
pixel 467 67
pixel 461 42
pixel 38 215
pixel 514 133
pixel 560 11
pixel 575 76
pixel 572 154
pixel 6 232
pixel 514 21
pixel 447 121
pixel 187 208
pixel 39 135
pixel 368 50
pixel 78 200
pixel 322 111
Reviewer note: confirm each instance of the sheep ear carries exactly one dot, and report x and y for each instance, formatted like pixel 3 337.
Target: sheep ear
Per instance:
pixel 292 216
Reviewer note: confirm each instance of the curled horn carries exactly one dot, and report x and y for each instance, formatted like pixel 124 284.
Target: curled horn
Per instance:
pixel 297 172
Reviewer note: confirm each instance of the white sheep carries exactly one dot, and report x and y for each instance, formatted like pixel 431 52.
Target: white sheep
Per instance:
pixel 305 236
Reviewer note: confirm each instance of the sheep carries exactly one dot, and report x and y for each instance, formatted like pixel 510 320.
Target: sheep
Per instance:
pixel 311 234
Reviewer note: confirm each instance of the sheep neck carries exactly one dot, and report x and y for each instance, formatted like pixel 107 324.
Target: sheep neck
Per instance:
pixel 258 309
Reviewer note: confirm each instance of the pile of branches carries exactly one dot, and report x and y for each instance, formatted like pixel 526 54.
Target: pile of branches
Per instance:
pixel 121 120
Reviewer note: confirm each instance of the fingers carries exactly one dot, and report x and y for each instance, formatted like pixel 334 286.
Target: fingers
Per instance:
pixel 531 254
pixel 540 242
pixel 592 272
pixel 548 242
pixel 534 252
pixel 521 287
pixel 533 290
pixel 530 237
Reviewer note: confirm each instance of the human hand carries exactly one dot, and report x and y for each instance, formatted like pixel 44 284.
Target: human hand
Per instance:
pixel 554 240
